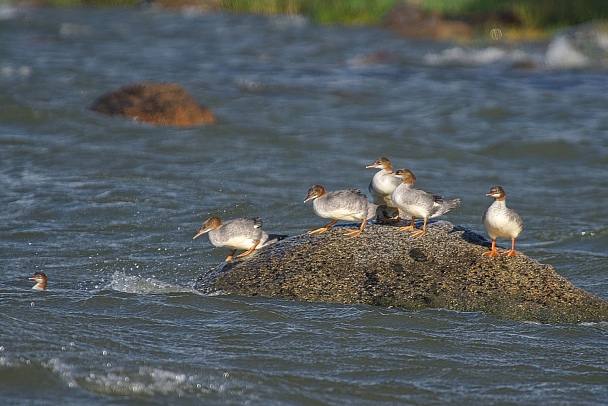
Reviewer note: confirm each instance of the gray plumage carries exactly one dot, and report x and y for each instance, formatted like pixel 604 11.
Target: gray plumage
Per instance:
pixel 244 233
pixel 347 204
pixel 418 203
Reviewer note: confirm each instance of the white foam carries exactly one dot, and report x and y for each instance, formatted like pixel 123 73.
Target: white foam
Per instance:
pixel 8 70
pixel 135 284
pixel 476 57
pixel 153 381
pixel 561 54
pixel 8 12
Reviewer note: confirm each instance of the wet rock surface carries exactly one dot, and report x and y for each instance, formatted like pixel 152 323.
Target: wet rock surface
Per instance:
pixel 386 267
pixel 155 103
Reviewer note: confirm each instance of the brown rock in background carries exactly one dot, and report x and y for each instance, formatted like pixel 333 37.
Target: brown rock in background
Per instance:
pixel 155 103
pixel 408 19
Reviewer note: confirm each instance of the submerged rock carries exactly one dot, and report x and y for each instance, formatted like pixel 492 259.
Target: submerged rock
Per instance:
pixel 155 103
pixel 386 267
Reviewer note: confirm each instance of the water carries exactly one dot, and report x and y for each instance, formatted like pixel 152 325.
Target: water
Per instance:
pixel 108 207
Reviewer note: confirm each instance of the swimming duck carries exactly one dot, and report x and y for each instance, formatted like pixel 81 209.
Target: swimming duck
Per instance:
pixel 418 202
pixel 243 233
pixel 41 280
pixel 382 186
pixel 500 221
pixel 347 204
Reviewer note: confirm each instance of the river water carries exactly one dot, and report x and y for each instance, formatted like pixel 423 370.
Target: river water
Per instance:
pixel 107 208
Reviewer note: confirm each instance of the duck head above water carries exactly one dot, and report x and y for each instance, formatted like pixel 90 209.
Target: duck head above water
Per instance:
pixel 41 281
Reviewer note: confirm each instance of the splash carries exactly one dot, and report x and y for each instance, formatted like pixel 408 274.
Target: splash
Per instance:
pixel 562 54
pixel 136 284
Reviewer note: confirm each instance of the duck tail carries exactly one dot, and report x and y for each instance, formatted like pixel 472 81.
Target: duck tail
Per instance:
pixel 450 204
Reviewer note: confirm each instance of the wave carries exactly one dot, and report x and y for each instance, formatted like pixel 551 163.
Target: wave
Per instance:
pixel 584 46
pixel 475 57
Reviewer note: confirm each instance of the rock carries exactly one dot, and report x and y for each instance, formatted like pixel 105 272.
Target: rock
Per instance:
pixel 386 267
pixel 155 103
pixel 408 19
pixel 199 6
pixel 580 46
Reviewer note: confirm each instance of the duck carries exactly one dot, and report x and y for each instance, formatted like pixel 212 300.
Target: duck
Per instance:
pixel 244 233
pixel 41 280
pixel 382 186
pixel 418 203
pixel 346 204
pixel 501 221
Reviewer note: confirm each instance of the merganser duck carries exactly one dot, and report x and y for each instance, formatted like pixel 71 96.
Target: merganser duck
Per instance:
pixel 243 233
pixel 41 280
pixel 347 204
pixel 418 202
pixel 500 221
pixel 382 186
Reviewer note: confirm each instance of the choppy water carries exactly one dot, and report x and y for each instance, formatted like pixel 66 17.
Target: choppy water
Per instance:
pixel 108 207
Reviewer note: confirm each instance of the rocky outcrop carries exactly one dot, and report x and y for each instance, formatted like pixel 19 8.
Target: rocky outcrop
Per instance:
pixel 155 103
pixel 386 267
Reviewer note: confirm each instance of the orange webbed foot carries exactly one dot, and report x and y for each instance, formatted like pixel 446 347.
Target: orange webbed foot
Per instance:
pixel 318 230
pixel 353 233
pixel 324 228
pixel 510 253
pixel 418 233
pixel 493 253
pixel 406 228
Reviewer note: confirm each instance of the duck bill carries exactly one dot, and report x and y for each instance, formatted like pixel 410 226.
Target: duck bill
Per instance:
pixel 308 198
pixel 201 232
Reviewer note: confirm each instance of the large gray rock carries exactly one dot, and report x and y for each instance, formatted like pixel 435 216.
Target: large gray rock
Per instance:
pixel 386 267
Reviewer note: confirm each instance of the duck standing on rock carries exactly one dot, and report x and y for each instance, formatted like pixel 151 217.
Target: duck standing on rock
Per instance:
pixel 500 221
pixel 382 186
pixel 417 202
pixel 41 281
pixel 243 233
pixel 347 204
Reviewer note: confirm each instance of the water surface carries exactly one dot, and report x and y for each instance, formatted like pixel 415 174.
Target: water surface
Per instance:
pixel 107 207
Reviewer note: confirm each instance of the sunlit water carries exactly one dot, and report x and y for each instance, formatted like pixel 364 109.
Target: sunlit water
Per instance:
pixel 107 208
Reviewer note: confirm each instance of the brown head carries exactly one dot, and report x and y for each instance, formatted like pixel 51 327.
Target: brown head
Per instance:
pixel 405 174
pixel 497 193
pixel 41 280
pixel 314 192
pixel 382 163
pixel 210 224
